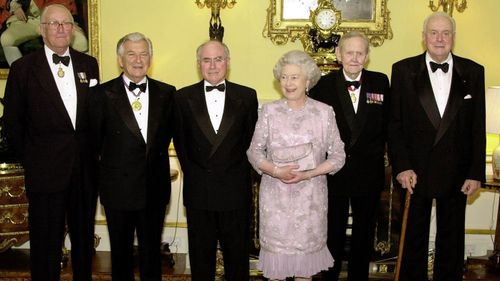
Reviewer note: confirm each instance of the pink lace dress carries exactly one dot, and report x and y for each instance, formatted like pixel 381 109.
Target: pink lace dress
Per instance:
pixel 293 217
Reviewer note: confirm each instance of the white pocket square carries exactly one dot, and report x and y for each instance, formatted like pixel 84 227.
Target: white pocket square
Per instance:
pixel 467 97
pixel 93 82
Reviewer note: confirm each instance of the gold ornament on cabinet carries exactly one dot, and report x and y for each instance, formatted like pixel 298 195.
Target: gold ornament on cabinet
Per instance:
pixel 320 39
pixel 320 23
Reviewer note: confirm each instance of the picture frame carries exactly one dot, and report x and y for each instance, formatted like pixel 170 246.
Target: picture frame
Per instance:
pixel 287 19
pixel 90 8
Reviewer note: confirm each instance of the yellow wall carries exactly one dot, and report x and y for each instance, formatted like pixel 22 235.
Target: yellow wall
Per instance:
pixel 177 27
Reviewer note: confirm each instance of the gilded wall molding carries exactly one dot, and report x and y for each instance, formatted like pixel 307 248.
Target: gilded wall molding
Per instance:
pixel 93 28
pixel 280 29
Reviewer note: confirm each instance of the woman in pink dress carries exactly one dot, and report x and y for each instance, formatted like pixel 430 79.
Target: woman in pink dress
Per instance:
pixel 293 197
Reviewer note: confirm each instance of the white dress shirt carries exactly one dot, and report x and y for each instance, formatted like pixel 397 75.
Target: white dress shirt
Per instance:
pixel 355 92
pixel 66 84
pixel 141 116
pixel 215 100
pixel 441 82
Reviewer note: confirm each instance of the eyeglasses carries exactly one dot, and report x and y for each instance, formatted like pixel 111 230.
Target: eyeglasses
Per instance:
pixel 215 60
pixel 54 25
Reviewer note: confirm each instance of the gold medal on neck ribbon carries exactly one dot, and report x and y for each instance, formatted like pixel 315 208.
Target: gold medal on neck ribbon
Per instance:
pixel 136 105
pixel 60 72
pixel 353 97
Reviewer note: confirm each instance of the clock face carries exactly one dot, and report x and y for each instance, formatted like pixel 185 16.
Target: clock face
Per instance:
pixel 326 19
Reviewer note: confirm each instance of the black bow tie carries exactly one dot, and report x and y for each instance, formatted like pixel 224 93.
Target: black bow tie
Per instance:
pixel 220 87
pixel 58 59
pixel 132 86
pixel 354 84
pixel 444 66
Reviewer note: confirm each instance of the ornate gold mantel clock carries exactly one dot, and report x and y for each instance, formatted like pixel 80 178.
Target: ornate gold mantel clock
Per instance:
pixel 287 21
pixel 320 40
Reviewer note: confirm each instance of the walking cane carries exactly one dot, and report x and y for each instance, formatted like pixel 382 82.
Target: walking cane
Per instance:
pixel 402 235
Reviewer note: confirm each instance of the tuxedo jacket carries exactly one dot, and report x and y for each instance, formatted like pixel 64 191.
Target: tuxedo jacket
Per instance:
pixel 363 133
pixel 132 172
pixel 39 128
pixel 215 166
pixel 443 151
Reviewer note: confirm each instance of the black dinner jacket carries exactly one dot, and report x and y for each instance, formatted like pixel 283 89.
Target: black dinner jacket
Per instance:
pixel 363 133
pixel 39 127
pixel 132 172
pixel 215 166
pixel 442 151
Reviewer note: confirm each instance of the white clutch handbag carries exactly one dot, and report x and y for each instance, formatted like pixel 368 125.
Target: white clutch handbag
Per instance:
pixel 301 154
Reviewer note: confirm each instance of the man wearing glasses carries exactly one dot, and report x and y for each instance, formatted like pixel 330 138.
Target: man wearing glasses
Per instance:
pixel 45 120
pixel 22 26
pixel 216 120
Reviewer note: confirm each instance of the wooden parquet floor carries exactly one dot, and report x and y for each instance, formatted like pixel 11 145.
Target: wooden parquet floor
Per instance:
pixel 14 266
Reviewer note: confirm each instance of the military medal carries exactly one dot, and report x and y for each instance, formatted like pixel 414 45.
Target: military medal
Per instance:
pixel 136 105
pixel 83 77
pixel 60 72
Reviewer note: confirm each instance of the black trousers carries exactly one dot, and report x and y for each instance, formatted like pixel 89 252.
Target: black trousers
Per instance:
pixel 122 227
pixel 450 238
pixel 364 210
pixel 231 229
pixel 48 215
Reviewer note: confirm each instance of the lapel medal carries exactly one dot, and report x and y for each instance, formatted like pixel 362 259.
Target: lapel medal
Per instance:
pixel 60 72
pixel 83 77
pixel 136 105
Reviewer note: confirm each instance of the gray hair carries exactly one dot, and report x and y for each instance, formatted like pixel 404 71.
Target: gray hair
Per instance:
pixel 134 37
pixel 439 15
pixel 301 59
pixel 43 15
pixel 200 48
pixel 354 34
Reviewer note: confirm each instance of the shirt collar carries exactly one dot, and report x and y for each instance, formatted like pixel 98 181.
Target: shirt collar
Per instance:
pixel 347 78
pixel 448 60
pixel 49 53
pixel 206 83
pixel 127 80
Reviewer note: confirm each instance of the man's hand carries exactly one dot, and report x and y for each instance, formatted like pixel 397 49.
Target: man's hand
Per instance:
pixel 470 187
pixel 407 179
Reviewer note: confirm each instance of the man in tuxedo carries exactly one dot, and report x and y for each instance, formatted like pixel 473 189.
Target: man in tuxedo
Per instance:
pixel 360 100
pixel 46 123
pixel 437 143
pixel 23 23
pixel 216 120
pixel 132 125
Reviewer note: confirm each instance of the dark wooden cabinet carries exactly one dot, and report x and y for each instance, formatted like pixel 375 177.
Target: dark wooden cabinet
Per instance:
pixel 13 207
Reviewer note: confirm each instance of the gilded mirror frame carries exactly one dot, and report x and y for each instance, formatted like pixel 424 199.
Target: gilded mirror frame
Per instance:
pixel 281 30
pixel 93 30
pixel 94 39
